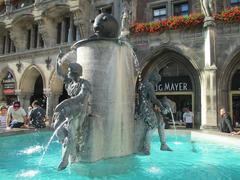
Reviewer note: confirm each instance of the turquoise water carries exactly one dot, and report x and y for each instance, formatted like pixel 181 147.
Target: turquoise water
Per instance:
pixel 20 156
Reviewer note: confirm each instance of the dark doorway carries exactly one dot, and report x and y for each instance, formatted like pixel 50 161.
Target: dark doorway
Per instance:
pixel 38 92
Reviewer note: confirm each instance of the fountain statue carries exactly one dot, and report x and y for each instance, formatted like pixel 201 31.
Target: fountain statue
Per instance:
pixel 208 7
pixel 97 121
pixel 151 112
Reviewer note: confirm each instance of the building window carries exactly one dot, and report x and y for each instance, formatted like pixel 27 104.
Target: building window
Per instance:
pixel 35 29
pixel 105 9
pixel 159 13
pixel 9 43
pixel 4 42
pixel 29 38
pixel 67 27
pixel 59 31
pixel 181 9
pixel 41 42
pixel 234 2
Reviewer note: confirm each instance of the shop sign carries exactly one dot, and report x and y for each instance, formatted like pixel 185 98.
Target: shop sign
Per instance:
pixel 9 86
pixel 179 83
pixel 9 91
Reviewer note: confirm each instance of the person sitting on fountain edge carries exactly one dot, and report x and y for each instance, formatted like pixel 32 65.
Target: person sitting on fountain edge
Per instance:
pixel 70 114
pixel 16 116
pixel 37 115
pixel 225 123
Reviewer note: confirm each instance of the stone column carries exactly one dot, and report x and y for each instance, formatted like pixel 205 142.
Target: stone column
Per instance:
pixel 19 95
pixel 63 31
pixel 80 23
pixel 209 98
pixel 32 42
pixel 209 84
pixel 70 30
pixel 23 97
pixel 8 6
pixel 78 35
pixel 6 42
pixel 53 100
pixel 45 30
pixel 26 100
pixel 49 105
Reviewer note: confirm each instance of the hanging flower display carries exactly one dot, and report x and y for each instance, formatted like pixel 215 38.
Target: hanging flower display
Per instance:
pixel 172 23
pixel 230 15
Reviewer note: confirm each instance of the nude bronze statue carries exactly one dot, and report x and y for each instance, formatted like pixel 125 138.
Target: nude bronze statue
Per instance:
pixel 72 111
pixel 151 112
pixel 208 7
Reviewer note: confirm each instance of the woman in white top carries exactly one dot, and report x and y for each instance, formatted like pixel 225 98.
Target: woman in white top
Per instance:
pixel 188 118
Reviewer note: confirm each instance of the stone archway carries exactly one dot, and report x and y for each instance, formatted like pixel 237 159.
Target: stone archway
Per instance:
pixel 31 86
pixel 227 75
pixel 176 68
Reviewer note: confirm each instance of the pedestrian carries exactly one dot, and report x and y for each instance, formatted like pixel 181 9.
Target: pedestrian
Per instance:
pixel 188 117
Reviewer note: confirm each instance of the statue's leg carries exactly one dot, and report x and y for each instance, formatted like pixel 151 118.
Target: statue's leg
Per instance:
pixel 65 154
pixel 61 131
pixel 161 133
pixel 145 142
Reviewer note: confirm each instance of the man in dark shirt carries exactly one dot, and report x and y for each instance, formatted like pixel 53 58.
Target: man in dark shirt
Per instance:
pixel 225 124
pixel 37 115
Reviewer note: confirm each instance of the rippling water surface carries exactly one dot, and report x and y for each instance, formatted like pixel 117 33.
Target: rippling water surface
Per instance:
pixel 20 156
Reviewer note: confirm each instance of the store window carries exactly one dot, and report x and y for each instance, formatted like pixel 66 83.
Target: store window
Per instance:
pixel 234 2
pixel 159 13
pixel 181 9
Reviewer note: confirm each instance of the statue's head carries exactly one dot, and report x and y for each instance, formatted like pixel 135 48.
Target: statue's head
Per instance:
pixel 105 26
pixel 154 77
pixel 74 70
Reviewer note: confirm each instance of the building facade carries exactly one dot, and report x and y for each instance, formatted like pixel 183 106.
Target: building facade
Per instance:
pixel 199 64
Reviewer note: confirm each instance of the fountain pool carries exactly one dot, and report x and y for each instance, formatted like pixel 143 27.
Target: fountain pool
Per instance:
pixel 20 156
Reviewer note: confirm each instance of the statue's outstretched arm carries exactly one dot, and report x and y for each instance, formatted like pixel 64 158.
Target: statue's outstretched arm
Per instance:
pixel 59 66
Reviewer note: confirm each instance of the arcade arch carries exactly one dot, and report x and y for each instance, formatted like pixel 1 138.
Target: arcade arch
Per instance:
pixel 180 81
pixel 32 85
pixel 229 87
